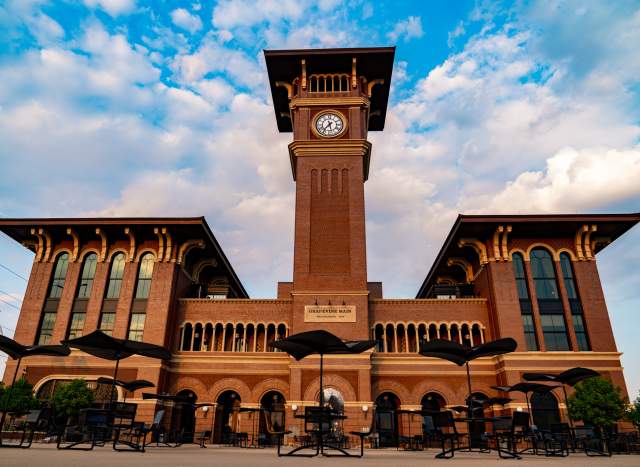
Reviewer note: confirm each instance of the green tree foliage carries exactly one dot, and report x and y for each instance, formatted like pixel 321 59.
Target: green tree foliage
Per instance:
pixel 633 413
pixel 69 398
pixel 22 398
pixel 597 402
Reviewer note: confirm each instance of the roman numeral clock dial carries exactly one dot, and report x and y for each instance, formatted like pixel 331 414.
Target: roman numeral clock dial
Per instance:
pixel 329 124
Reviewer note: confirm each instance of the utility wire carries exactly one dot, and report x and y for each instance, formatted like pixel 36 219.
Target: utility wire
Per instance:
pixel 18 299
pixel 8 303
pixel 13 272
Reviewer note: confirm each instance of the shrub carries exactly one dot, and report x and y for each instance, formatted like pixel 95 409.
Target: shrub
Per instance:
pixel 597 402
pixel 71 397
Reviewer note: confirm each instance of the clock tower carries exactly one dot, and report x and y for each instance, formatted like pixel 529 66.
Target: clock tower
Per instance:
pixel 329 99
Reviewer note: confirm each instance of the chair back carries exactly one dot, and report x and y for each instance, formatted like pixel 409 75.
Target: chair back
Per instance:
pixel 520 421
pixel 443 421
pixel 33 416
pixel 124 414
pixel 583 432
pixel 502 424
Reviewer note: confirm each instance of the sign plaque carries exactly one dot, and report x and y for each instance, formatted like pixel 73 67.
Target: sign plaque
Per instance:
pixel 330 314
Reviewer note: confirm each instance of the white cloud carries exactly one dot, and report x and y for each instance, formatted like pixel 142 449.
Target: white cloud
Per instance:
pixel 407 29
pixel 229 14
pixel 185 20
pixel 214 57
pixel 457 32
pixel 113 7
pixel 573 181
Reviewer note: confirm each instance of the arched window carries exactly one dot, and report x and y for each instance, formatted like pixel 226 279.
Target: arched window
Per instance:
pixel 551 313
pixel 115 277
pixel 544 276
pixel 79 311
pixel 525 302
pixel 112 293
pixel 139 311
pixel 48 318
pixel 88 273
pixel 574 302
pixel 144 276
pixel 59 276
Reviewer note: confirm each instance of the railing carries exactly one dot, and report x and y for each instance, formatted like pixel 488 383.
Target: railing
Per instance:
pixel 330 83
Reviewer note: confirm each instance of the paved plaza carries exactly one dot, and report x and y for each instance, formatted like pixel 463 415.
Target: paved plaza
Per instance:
pixel 49 456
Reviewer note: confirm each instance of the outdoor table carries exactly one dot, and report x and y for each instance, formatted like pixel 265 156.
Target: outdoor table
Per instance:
pixel 255 427
pixel 470 421
pixel 328 415
pixel 414 441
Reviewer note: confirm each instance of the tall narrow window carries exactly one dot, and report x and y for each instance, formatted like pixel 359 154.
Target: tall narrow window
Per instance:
pixel 574 303
pixel 48 319
pixel 112 293
pixel 79 310
pixel 554 327
pixel 525 302
pixel 143 284
pixel 144 276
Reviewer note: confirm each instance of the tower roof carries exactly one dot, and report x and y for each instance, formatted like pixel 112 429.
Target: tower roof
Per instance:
pixel 372 63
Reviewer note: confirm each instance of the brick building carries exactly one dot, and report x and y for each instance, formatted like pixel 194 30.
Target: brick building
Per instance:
pixel 167 281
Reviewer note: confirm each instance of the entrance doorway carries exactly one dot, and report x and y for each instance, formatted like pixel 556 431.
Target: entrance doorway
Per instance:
pixel 545 410
pixel 223 428
pixel 186 415
pixel 387 405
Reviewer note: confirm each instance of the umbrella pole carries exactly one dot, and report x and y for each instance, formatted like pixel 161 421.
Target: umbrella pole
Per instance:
pixel 6 404
pixel 113 384
pixel 321 394
pixel 469 387
pixel 526 396
pixel 321 439
pixel 566 403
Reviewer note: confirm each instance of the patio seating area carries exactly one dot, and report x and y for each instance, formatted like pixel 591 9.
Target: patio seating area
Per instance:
pixel 193 455
pixel 461 431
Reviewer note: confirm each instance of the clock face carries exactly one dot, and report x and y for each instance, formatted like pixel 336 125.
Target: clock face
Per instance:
pixel 329 124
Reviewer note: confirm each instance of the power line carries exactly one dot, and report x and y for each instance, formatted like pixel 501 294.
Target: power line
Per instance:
pixel 13 272
pixel 9 303
pixel 18 299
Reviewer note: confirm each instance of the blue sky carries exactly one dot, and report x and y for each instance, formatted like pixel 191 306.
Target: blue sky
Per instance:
pixel 125 107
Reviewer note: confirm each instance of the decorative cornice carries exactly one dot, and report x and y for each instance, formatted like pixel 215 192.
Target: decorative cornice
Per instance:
pixel 336 147
pixel 478 246
pixel 187 245
pixel 76 243
pixel 132 243
pixel 158 232
pixel 104 244
pixel 353 101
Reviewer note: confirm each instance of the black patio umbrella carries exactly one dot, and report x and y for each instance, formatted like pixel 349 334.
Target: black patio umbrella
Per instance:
pixel 525 388
pixel 570 377
pixel 102 345
pixel 128 386
pixel 320 342
pixel 462 354
pixel 18 351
